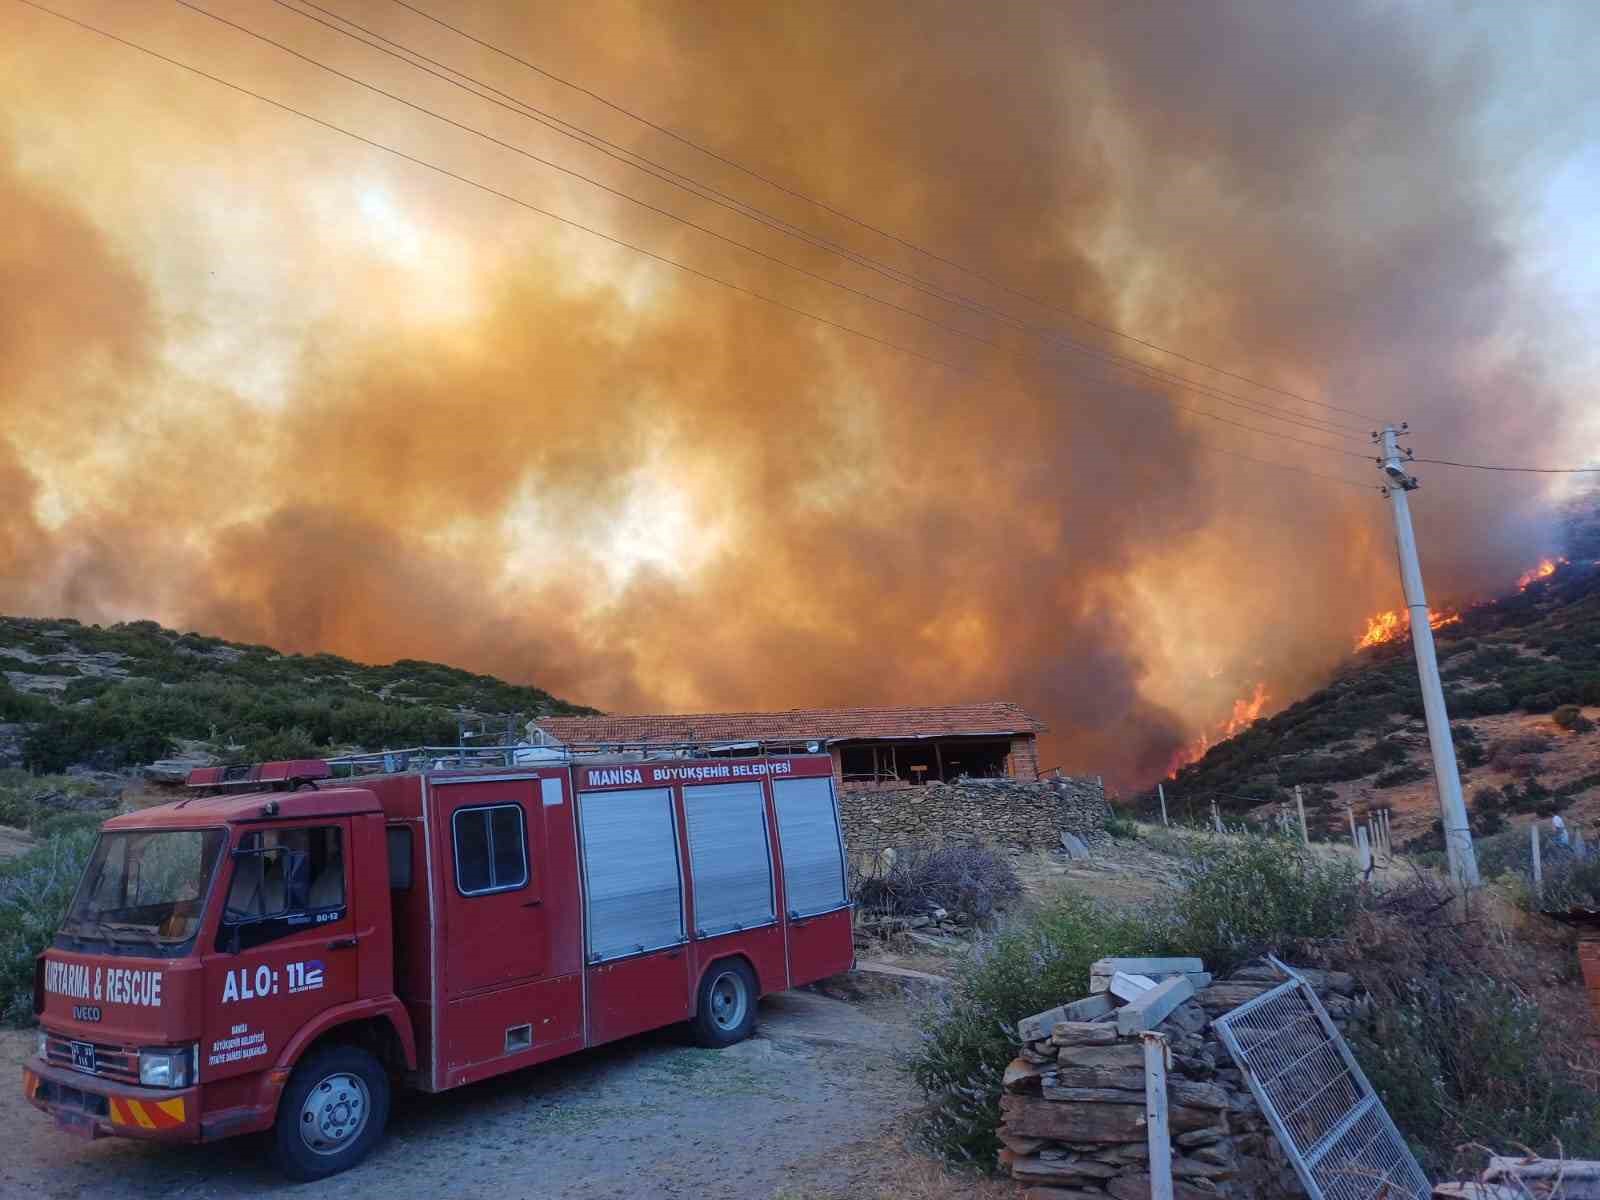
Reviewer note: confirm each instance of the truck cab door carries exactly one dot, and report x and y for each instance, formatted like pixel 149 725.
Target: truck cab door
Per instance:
pixel 505 1002
pixel 285 949
pixel 497 930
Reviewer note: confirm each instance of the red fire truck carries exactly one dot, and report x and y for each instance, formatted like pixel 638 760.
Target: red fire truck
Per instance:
pixel 277 958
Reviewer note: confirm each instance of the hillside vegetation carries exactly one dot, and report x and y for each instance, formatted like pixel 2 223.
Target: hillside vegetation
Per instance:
pixel 107 698
pixel 1522 685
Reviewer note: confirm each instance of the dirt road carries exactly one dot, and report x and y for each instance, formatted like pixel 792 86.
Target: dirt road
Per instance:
pixel 788 1111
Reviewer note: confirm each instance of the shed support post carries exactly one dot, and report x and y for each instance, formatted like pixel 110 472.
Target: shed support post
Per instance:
pixel 1155 1114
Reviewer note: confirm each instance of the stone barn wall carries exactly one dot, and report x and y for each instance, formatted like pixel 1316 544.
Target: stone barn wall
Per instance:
pixel 995 812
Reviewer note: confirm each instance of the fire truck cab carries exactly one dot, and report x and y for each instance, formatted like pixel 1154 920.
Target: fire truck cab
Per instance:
pixel 280 958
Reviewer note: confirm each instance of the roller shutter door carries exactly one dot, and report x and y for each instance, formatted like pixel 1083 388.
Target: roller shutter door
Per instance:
pixel 632 884
pixel 813 854
pixel 728 857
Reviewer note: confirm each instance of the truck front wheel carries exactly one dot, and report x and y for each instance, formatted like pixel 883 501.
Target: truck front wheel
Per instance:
pixel 331 1113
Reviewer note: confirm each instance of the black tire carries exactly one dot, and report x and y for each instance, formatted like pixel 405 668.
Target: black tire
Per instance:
pixel 725 1010
pixel 343 1126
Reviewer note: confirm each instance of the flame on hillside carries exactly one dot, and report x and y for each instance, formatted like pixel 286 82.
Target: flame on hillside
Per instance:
pixel 1545 569
pixel 1395 624
pixel 1245 711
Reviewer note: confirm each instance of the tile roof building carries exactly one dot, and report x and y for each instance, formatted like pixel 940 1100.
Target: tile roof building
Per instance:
pixel 871 747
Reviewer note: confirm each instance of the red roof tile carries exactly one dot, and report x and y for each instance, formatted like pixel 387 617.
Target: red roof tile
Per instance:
pixel 799 724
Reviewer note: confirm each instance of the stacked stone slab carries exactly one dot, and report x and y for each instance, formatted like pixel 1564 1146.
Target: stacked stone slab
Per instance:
pixel 995 812
pixel 1073 1107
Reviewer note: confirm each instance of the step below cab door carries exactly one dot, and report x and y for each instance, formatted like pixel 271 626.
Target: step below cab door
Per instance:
pixel 504 1006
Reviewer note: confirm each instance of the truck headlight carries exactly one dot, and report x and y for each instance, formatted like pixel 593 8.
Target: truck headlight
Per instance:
pixel 168 1068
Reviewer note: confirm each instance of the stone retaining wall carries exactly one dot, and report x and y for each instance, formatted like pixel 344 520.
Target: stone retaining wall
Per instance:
pixel 995 812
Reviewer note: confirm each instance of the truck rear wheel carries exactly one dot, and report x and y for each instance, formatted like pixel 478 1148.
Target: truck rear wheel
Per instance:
pixel 726 1012
pixel 331 1113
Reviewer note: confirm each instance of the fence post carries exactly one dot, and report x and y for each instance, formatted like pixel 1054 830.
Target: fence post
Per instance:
pixel 1155 1114
pixel 1162 792
pixel 1578 848
pixel 1300 804
pixel 1216 816
pixel 1383 832
pixel 1350 811
pixel 1538 869
pixel 1363 852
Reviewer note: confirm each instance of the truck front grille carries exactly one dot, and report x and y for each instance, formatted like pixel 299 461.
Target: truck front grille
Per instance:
pixel 111 1062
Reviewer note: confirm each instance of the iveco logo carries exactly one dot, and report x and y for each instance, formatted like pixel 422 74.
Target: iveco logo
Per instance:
pixel 85 1012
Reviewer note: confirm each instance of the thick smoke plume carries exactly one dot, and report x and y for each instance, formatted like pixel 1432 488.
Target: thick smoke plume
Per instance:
pixel 263 381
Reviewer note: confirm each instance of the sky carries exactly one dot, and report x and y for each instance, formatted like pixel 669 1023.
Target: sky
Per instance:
pixel 846 377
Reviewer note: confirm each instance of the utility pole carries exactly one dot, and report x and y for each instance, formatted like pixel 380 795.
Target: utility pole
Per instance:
pixel 1453 810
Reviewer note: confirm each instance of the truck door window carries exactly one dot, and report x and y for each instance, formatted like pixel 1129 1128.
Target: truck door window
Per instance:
pixel 399 838
pixel 491 849
pixel 264 903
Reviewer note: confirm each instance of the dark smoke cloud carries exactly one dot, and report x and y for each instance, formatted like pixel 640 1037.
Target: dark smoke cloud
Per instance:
pixel 1301 190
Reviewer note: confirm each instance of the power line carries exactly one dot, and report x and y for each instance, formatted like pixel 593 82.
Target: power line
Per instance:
pixel 1445 462
pixel 528 154
pixel 825 207
pixel 1267 462
pixel 668 175
pixel 486 188
pixel 470 129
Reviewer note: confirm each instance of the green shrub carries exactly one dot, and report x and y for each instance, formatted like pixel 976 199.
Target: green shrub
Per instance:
pixel 1404 773
pixel 1470 1062
pixel 35 890
pixel 1242 897
pixel 1121 827
pixel 1033 963
pixel 20 706
pixel 1570 717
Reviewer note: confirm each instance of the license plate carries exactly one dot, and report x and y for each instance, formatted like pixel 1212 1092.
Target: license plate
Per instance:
pixel 83 1056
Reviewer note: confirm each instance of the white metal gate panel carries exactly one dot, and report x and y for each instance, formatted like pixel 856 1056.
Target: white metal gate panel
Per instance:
pixel 1328 1119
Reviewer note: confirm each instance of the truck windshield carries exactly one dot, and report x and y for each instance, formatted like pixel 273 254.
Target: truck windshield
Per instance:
pixel 144 890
